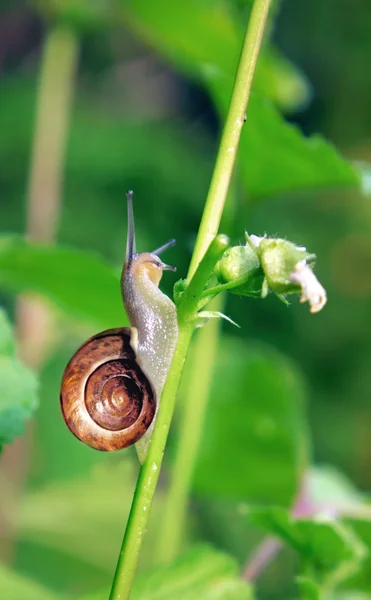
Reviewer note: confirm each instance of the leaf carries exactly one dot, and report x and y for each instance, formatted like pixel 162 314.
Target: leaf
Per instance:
pixel 254 426
pixel 205 41
pixel 18 387
pixel 202 573
pixel 271 146
pixel 361 580
pixel 204 316
pixel 7 344
pixel 205 38
pixel 80 516
pixel 309 590
pixel 325 544
pixel 84 517
pixel 278 78
pixel 81 284
pixel 329 489
pixel 198 37
pixel 15 587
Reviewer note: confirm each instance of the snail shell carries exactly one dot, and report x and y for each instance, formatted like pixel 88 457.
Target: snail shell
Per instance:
pixel 106 399
pixel 110 393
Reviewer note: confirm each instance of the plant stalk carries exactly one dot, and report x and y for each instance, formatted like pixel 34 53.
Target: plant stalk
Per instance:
pixel 200 269
pixel 150 471
pixel 149 474
pixel 231 133
pixel 196 394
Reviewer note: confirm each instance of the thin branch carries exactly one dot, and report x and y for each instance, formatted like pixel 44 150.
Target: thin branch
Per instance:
pixel 189 436
pixel 264 554
pixel 231 133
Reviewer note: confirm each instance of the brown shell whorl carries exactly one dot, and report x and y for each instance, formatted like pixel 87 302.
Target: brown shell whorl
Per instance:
pixel 106 400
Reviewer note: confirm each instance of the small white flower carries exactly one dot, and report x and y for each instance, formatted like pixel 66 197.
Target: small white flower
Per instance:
pixel 255 240
pixel 311 289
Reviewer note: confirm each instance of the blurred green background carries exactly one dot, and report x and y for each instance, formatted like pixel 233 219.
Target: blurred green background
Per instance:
pixel 150 87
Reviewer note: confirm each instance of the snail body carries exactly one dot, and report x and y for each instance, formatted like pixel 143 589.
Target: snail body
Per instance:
pixel 112 385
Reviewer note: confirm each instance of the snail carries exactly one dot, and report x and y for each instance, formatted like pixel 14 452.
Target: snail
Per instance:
pixel 112 385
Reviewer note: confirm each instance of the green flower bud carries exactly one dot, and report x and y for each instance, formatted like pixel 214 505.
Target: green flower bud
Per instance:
pixel 278 259
pixel 240 264
pixel 267 264
pixel 287 269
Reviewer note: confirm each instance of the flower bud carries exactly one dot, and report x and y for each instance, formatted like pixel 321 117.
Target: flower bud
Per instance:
pixel 287 269
pixel 278 259
pixel 240 264
pixel 268 264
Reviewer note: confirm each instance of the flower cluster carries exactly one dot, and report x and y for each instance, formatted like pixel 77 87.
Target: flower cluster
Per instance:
pixel 271 264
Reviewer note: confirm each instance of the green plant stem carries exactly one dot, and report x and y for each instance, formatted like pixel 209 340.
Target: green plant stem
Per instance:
pixel 196 394
pixel 200 270
pixel 56 85
pixel 188 305
pixel 231 133
pixel 149 473
pixel 223 287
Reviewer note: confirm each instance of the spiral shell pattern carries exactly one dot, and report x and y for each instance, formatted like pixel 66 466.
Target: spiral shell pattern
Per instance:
pixel 106 399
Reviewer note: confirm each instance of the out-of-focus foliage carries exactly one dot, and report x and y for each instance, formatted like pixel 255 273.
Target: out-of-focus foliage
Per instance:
pixel 18 387
pixel 206 43
pixel 16 587
pixel 320 542
pixel 70 516
pixel 200 573
pixel 153 80
pixel 309 590
pixel 56 273
pixel 255 426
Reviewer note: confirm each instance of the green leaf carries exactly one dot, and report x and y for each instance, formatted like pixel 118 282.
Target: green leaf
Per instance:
pixel 309 590
pixel 205 41
pixel 18 387
pixel 205 38
pixel 325 544
pixel 81 284
pixel 361 580
pixel 197 36
pixel 271 146
pixel 330 489
pixel 279 79
pixel 254 425
pixel 15 587
pixel 80 516
pixel 7 344
pixel 202 573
